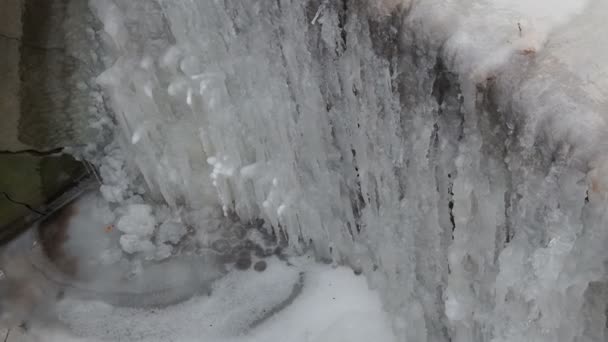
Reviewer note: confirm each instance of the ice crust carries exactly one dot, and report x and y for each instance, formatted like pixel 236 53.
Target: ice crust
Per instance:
pixel 452 150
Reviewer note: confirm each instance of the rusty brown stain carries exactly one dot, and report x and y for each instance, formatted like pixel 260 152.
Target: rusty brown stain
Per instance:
pixel 53 232
pixel 528 51
pixel 594 186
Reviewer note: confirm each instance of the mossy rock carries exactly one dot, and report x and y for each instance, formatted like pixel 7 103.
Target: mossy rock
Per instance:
pixel 47 99
pixel 29 182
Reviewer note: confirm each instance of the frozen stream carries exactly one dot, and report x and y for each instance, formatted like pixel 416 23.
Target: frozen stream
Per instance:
pixel 452 152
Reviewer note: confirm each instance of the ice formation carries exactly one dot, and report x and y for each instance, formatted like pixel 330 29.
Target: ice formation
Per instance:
pixel 451 150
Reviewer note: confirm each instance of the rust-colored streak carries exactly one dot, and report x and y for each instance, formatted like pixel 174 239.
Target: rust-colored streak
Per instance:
pixel 528 51
pixel 53 232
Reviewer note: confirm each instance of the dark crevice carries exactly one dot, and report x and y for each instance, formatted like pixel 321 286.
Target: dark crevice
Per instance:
pixel 332 131
pixel 357 200
pixel 509 232
pixel 442 83
pixel 446 92
pixel 350 230
pixel 461 128
pixel 342 16
pixel 34 152
pixel 434 144
pixel 452 221
pixel 29 207
pixel 28 45
pixel 451 204
pixel 384 33
pixel 9 37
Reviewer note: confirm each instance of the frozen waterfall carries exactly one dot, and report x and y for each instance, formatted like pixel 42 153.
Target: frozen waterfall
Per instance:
pixel 453 151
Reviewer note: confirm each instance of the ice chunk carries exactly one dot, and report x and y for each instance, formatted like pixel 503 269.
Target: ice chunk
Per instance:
pixel 163 251
pixel 138 220
pixel 131 243
pixel 170 231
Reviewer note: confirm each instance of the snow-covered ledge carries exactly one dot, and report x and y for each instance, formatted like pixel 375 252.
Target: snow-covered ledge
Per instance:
pixel 452 150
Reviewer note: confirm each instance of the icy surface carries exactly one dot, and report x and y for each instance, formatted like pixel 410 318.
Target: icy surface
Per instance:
pixel 454 151
pixel 330 305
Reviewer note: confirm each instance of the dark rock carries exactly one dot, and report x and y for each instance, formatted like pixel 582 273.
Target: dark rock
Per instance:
pixel 243 263
pixel 260 266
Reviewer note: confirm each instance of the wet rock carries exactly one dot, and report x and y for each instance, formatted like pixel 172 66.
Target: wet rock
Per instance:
pixel 243 260
pixel 259 252
pixel 260 266
pixel 221 246
pixel 243 263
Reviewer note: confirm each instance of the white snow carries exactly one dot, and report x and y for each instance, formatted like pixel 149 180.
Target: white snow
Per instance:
pixel 131 243
pixel 138 220
pixel 138 224
pixel 170 231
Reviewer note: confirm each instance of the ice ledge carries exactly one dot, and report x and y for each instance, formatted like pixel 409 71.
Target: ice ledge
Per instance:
pixel 542 61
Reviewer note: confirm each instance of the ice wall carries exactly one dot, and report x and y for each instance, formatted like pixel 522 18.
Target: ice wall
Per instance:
pixel 452 150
